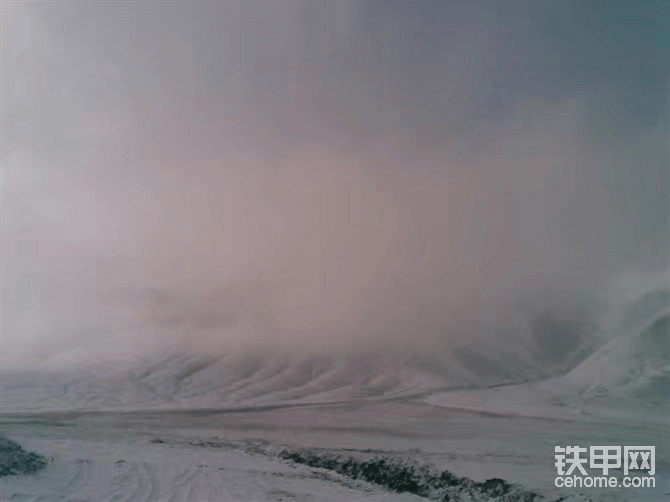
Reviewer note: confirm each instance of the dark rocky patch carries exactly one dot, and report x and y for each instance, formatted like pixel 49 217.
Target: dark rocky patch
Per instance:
pixel 15 460
pixel 402 476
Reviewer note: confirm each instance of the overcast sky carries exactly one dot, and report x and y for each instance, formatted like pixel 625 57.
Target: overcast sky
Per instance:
pixel 325 173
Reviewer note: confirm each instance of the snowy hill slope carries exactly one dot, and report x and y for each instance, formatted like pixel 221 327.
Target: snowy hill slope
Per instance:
pixel 254 379
pixel 235 380
pixel 628 376
pixel 541 348
pixel 636 363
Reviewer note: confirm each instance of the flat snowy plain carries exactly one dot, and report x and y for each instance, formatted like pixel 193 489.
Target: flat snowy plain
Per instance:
pixel 220 455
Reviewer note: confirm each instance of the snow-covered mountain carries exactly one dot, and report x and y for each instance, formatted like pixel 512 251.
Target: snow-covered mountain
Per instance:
pixel 636 363
pixel 574 358
pixel 258 379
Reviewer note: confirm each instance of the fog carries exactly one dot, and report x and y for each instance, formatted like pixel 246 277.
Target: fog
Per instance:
pixel 319 175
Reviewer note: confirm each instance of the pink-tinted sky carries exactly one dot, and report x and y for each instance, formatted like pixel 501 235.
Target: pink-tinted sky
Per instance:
pixel 323 174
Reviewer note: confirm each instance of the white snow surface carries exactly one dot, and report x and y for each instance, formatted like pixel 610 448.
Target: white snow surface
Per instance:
pixel 477 412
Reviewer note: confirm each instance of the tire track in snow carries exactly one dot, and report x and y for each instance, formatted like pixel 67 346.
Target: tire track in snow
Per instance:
pixel 136 483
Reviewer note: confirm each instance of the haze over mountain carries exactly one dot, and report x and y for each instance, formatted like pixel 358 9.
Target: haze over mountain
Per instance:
pixel 461 179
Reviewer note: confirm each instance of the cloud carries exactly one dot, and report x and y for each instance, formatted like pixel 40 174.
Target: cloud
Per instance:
pixel 308 175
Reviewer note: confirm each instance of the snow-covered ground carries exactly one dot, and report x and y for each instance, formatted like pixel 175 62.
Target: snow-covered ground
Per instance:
pixel 135 470
pixel 206 428
pixel 217 455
